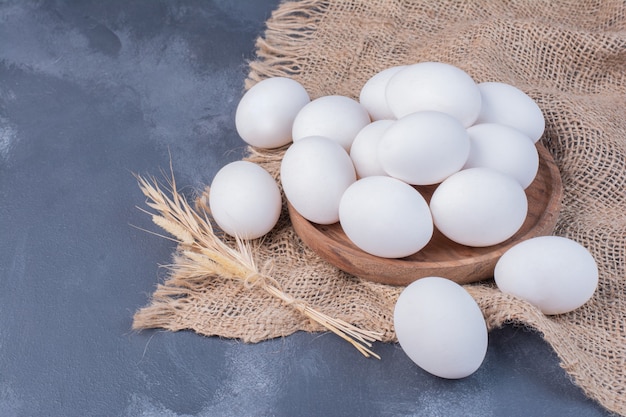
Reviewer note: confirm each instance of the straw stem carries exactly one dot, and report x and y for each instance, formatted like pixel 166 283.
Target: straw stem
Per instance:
pixel 202 254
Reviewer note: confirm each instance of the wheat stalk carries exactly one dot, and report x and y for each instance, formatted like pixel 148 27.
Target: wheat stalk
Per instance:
pixel 203 254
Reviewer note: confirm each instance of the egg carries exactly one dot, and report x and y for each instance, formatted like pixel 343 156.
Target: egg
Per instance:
pixel 479 207
pixel 385 217
pixel 441 328
pixel 508 105
pixel 372 95
pixel 265 114
pixel 245 200
pixel 424 148
pixel 504 149
pixel 314 172
pixel 554 273
pixel 434 86
pixel 336 117
pixel 364 150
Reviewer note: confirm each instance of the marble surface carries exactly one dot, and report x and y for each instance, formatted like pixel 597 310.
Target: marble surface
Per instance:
pixel 93 91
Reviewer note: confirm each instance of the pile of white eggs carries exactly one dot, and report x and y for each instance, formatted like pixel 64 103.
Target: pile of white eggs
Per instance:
pixel 358 162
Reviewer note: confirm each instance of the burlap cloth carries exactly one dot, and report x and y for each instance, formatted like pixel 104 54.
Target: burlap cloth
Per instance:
pixel 570 56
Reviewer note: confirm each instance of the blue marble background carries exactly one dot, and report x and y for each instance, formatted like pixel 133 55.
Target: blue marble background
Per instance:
pixel 93 91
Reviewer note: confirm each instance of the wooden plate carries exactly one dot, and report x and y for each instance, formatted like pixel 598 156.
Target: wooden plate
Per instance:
pixel 441 257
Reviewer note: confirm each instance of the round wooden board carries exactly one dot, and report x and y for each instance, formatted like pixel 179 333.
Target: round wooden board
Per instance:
pixel 441 257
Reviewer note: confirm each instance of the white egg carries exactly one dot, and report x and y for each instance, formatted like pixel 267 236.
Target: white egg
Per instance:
pixel 373 97
pixel 385 217
pixel 315 172
pixel 508 105
pixel 244 200
pixel 364 150
pixel 265 113
pixel 504 149
pixel 554 273
pixel 424 148
pixel 336 117
pixel 434 86
pixel 479 207
pixel 441 327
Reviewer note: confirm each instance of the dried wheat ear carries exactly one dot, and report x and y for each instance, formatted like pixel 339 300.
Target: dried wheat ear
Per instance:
pixel 202 254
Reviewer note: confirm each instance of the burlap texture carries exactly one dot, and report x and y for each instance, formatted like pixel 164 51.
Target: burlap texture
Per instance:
pixel 570 56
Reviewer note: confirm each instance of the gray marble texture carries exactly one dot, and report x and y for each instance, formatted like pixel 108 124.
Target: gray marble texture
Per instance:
pixel 93 91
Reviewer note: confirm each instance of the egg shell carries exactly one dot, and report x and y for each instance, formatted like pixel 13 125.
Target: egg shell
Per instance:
pixel 373 96
pixel 508 105
pixel 554 273
pixel 315 171
pixel 479 207
pixel 424 148
pixel 336 117
pixel 505 149
pixel 265 114
pixel 385 217
pixel 364 150
pixel 245 200
pixel 441 328
pixel 434 86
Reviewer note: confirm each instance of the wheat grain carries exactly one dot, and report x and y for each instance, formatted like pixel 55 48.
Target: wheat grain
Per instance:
pixel 174 229
pixel 204 254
